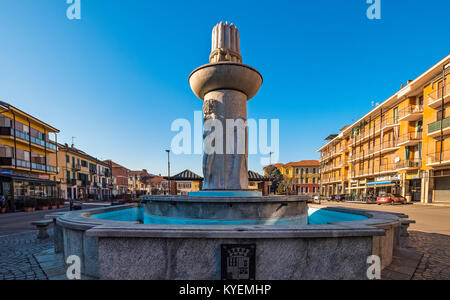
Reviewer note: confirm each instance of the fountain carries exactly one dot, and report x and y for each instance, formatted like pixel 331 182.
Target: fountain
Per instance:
pixel 226 231
pixel 225 85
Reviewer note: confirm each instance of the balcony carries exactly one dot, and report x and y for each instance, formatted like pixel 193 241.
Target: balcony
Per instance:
pixel 411 113
pixel 410 139
pixel 11 162
pixel 408 164
pixel 389 146
pixel 389 168
pixel 76 167
pixel 436 98
pixel 434 129
pixel 389 124
pixel 439 159
pixel 8 131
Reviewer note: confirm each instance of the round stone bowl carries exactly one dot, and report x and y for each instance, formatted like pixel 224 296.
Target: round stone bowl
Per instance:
pixel 126 249
pixel 225 76
pixel 288 209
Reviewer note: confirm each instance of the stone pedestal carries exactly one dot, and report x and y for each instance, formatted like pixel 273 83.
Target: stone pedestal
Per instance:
pixel 227 171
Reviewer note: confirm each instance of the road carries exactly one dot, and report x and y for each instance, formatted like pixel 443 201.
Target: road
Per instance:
pixel 16 223
pixel 430 219
pixel 429 236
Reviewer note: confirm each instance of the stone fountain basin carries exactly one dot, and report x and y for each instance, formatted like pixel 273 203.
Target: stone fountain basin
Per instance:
pixel 128 250
pixel 228 208
pixel 225 76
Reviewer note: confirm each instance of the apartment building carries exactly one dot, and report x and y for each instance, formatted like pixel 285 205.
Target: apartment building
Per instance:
pixel 402 146
pixel 304 174
pixel 28 157
pixel 137 182
pixel 120 178
pixel 83 176
pixel 183 183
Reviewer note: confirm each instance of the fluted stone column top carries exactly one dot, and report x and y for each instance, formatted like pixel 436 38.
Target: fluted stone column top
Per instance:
pixel 225 44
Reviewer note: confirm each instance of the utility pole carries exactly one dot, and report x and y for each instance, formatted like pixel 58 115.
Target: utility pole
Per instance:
pixel 168 169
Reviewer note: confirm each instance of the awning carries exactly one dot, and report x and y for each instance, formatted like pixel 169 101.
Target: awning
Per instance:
pixel 382 183
pixel 29 179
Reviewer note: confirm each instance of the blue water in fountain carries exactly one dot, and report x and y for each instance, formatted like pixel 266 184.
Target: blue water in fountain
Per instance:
pixel 315 217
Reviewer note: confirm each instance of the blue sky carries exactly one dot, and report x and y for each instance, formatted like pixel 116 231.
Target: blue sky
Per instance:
pixel 117 78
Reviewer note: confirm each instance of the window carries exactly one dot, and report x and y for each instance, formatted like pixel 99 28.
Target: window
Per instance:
pixel 396 115
pixel 297 171
pixel 307 171
pixel 84 163
pixel 314 170
pixel 68 176
pixel 287 171
pixel 6 151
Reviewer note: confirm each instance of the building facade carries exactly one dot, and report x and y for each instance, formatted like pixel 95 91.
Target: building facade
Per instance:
pixel 402 146
pixel 304 176
pixel 28 158
pixel 83 176
pixel 138 182
pixel 120 178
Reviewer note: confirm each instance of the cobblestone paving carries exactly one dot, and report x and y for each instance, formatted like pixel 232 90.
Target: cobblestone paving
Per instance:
pixel 435 264
pixel 16 256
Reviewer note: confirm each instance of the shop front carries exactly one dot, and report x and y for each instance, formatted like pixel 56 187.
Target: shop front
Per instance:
pixel 384 185
pixel 413 184
pixel 22 192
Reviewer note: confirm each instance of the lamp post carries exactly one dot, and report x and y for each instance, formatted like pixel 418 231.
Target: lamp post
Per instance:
pixel 168 169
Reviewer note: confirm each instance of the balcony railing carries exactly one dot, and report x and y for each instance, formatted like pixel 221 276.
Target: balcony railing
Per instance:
pixel 435 97
pixel 26 137
pixel 410 111
pixel 389 144
pixel 390 123
pixel 437 126
pixel 408 164
pixel 11 162
pixel 410 137
pixel 76 167
pixel 439 158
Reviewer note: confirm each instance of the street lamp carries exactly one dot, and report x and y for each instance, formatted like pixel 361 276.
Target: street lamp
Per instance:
pixel 168 168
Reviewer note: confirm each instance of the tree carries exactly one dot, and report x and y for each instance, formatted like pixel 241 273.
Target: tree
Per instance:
pixel 274 174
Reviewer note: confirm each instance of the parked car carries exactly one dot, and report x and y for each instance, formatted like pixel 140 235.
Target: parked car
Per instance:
pixel 332 198
pixel 340 198
pixel 316 197
pixel 390 199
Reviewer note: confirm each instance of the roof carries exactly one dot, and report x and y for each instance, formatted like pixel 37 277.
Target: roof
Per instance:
pixel 8 106
pixel 152 179
pixel 253 176
pixel 77 151
pixel 187 175
pixel 141 173
pixel 303 163
pixel 114 164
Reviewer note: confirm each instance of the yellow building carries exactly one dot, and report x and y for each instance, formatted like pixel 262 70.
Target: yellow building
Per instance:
pixel 402 146
pixel 304 174
pixel 184 183
pixel 138 183
pixel 28 157
pixel 83 176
